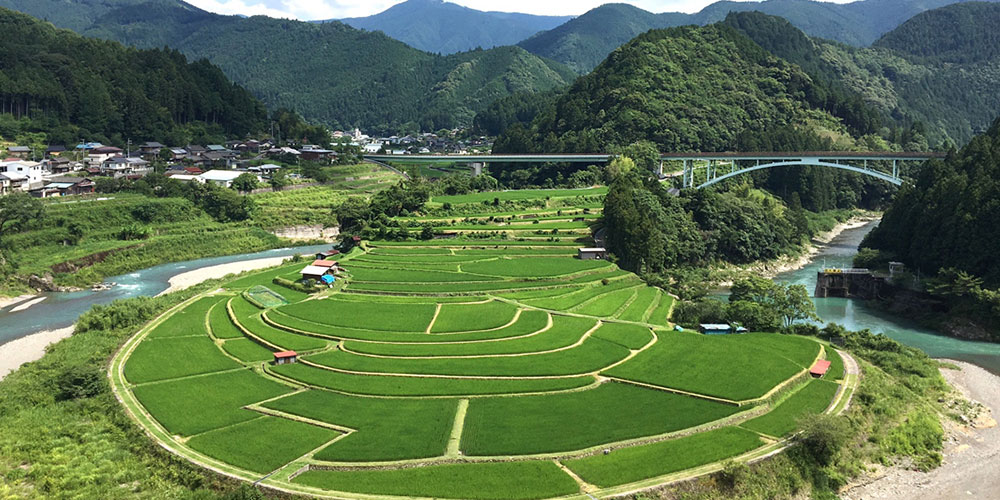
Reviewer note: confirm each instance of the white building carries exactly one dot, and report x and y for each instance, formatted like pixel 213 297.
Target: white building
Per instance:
pixel 32 171
pixel 223 178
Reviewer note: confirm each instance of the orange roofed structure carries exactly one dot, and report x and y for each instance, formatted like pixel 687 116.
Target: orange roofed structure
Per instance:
pixel 819 368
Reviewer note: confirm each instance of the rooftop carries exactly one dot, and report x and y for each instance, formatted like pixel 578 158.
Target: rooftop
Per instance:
pixel 820 368
pixel 285 354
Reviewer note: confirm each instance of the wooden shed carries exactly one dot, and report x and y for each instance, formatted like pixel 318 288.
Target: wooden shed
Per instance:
pixel 819 368
pixel 285 357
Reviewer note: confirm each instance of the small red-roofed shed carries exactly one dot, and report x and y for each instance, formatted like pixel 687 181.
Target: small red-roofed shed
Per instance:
pixel 325 263
pixel 819 368
pixel 285 357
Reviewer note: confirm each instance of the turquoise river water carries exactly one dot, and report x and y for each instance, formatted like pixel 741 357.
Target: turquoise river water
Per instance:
pixel 857 315
pixel 60 309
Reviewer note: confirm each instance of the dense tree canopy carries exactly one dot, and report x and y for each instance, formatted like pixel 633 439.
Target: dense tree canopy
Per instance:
pixel 80 88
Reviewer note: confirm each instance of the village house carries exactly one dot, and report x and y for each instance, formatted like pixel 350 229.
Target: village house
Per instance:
pixel 20 152
pixel 315 153
pixel 119 166
pixel 150 150
pixel 99 155
pixel 59 166
pixel 10 182
pixel 54 151
pixel 64 186
pixel 31 171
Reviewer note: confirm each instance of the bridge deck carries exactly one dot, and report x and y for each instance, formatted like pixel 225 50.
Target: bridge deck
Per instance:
pixel 604 158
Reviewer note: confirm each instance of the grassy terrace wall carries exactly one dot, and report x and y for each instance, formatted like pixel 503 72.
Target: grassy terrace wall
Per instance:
pixel 497 371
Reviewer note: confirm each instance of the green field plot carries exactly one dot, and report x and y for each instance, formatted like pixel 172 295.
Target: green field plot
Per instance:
pixel 249 317
pixel 264 444
pixel 515 250
pixel 474 481
pixel 577 420
pixel 388 385
pixel 247 350
pixel 501 285
pixel 200 404
pixel 569 301
pixel 367 265
pixel 264 278
pixel 533 267
pixel 266 297
pixel 528 322
pixel 471 317
pixel 644 299
pixel 836 370
pixel 372 315
pixel 565 332
pixel 661 314
pixel 188 321
pixel 724 366
pixel 167 358
pixel 386 429
pixel 630 336
pixel 590 356
pixel 783 419
pixel 523 194
pixel 221 324
pixel 403 259
pixel 410 251
pixel 607 305
pixel 633 464
pixel 540 294
pixel 800 350
pixel 413 276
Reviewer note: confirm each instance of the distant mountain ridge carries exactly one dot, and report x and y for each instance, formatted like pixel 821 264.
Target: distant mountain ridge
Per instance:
pixel 446 28
pixel 330 73
pixel 585 41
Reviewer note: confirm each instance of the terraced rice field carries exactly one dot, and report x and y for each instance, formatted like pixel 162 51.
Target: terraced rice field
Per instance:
pixel 456 372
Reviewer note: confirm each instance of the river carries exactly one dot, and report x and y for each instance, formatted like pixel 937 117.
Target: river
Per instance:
pixel 61 309
pixel 857 315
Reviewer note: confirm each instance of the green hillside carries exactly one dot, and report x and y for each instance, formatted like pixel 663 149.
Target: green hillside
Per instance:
pixel 584 42
pixel 959 33
pixel 329 72
pixel 445 28
pixel 685 89
pixel 74 87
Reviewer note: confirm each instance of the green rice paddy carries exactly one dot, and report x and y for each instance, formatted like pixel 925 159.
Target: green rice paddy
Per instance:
pixel 460 371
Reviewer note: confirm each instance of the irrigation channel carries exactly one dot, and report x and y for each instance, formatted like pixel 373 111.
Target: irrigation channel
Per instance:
pixel 857 315
pixel 61 309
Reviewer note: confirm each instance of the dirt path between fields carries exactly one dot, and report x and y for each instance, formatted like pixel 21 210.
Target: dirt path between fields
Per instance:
pixel 971 467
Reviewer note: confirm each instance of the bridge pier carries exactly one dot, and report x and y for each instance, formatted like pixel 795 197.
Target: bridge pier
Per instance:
pixel 477 168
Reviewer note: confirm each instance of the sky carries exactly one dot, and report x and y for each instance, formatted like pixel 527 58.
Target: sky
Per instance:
pixel 307 10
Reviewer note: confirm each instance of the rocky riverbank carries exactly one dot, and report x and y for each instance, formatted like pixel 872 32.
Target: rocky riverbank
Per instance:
pixel 971 450
pixel 772 268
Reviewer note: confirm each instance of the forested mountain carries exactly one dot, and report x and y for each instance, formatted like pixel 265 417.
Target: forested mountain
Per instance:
pixel 958 34
pixel 75 87
pixel 685 89
pixel 445 28
pixel 948 217
pixel 944 228
pixel 585 41
pixel 330 73
pixel 940 69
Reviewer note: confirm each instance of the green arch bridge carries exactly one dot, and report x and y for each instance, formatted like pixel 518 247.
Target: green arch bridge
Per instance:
pixel 703 169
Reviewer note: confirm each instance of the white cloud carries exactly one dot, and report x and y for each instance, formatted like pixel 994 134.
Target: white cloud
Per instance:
pixel 335 9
